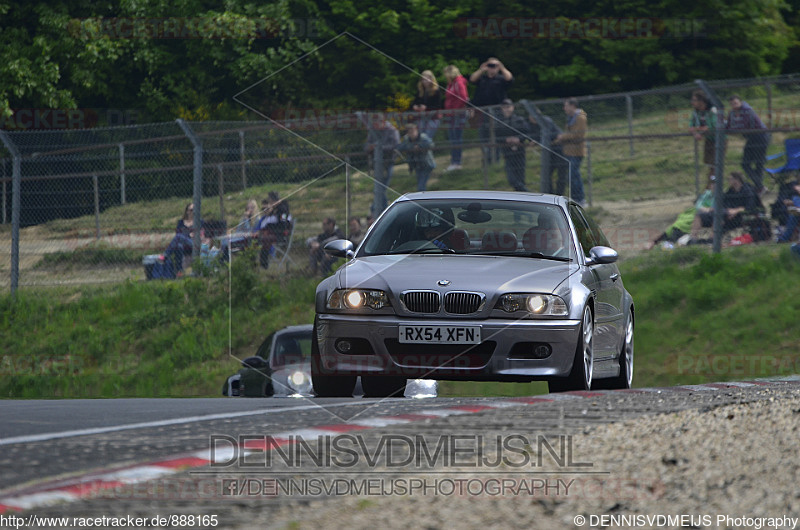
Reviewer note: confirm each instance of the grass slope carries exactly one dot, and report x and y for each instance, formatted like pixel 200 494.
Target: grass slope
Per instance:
pixel 700 317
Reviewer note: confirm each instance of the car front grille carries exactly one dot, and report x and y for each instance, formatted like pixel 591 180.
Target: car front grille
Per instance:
pixel 458 303
pixel 421 301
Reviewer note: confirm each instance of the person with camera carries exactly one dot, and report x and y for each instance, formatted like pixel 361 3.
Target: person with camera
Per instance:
pixel 492 81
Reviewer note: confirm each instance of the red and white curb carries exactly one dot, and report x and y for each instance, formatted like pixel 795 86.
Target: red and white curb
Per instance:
pixel 90 485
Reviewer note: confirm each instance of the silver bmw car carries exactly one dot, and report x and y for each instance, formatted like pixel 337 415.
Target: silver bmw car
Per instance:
pixel 474 285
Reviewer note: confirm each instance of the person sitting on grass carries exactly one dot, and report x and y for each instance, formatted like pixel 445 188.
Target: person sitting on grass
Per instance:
pixel 180 248
pixel 685 221
pixel 737 201
pixel 318 259
pixel 793 219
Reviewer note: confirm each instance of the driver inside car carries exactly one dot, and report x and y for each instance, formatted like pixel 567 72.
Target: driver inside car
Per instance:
pixel 436 225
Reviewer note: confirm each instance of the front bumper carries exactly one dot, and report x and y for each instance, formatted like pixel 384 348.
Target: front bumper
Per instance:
pixel 503 355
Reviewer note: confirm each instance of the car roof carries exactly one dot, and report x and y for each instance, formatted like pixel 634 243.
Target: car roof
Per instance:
pixel 485 195
pixel 303 328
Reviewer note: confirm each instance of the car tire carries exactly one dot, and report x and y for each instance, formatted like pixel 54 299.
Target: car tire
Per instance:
pixel 325 384
pixel 625 378
pixel 580 377
pixel 383 386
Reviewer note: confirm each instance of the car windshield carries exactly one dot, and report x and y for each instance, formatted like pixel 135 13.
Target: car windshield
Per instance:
pixel 469 226
pixel 291 348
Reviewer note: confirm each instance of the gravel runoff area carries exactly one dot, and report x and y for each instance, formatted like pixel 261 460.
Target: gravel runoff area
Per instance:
pixel 739 462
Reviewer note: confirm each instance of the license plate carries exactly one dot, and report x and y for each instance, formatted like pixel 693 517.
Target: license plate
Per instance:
pixel 440 334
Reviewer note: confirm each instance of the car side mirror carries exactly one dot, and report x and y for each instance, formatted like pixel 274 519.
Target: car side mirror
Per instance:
pixel 340 248
pixel 602 255
pixel 255 362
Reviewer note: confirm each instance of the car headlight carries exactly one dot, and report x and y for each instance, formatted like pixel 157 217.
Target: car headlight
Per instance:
pixel 357 299
pixel 299 381
pixel 534 304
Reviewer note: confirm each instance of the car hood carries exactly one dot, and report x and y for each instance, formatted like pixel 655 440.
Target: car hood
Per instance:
pixel 487 274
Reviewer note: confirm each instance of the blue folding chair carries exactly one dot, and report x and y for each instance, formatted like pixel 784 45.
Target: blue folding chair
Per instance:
pixel 783 177
pixel 792 154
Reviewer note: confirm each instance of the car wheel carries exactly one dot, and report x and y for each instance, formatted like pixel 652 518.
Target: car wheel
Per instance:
pixel 325 384
pixel 383 386
pixel 625 377
pixel 580 377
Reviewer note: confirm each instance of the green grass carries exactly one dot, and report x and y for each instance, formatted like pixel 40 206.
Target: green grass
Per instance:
pixel 160 338
pixel 101 254
pixel 699 318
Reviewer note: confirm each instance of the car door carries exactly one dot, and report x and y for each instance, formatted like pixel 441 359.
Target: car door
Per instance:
pixel 608 299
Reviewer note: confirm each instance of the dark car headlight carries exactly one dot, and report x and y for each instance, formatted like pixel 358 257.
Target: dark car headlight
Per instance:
pixel 358 299
pixel 534 304
pixel 299 381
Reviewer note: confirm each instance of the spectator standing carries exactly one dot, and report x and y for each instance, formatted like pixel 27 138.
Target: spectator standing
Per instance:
pixel 417 147
pixel 573 143
pixel 382 135
pixel 318 259
pixel 492 80
pixel 554 157
pixel 703 126
pixel 455 102
pixel 356 232
pixel 512 133
pixel 428 103
pixel 743 118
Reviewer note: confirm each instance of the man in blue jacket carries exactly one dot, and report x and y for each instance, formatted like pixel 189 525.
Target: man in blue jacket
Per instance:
pixel 743 118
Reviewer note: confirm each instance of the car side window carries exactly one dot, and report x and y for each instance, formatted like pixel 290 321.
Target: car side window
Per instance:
pixel 585 236
pixel 266 346
pixel 598 234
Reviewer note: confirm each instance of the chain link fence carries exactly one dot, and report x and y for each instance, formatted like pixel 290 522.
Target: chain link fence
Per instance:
pixel 94 202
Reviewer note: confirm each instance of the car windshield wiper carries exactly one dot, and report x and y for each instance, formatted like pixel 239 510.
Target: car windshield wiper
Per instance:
pixel 511 253
pixel 426 250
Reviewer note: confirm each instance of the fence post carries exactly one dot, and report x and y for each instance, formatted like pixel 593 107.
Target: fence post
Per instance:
pixel 696 168
pixel 5 186
pixel 492 141
pixel 122 174
pixel 197 181
pixel 544 139
pixel 629 105
pixel 719 165
pixel 96 185
pixel 16 176
pixel 347 186
pixel 242 160
pixel 589 171
pixel 377 163
pixel 769 104
pixel 221 189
